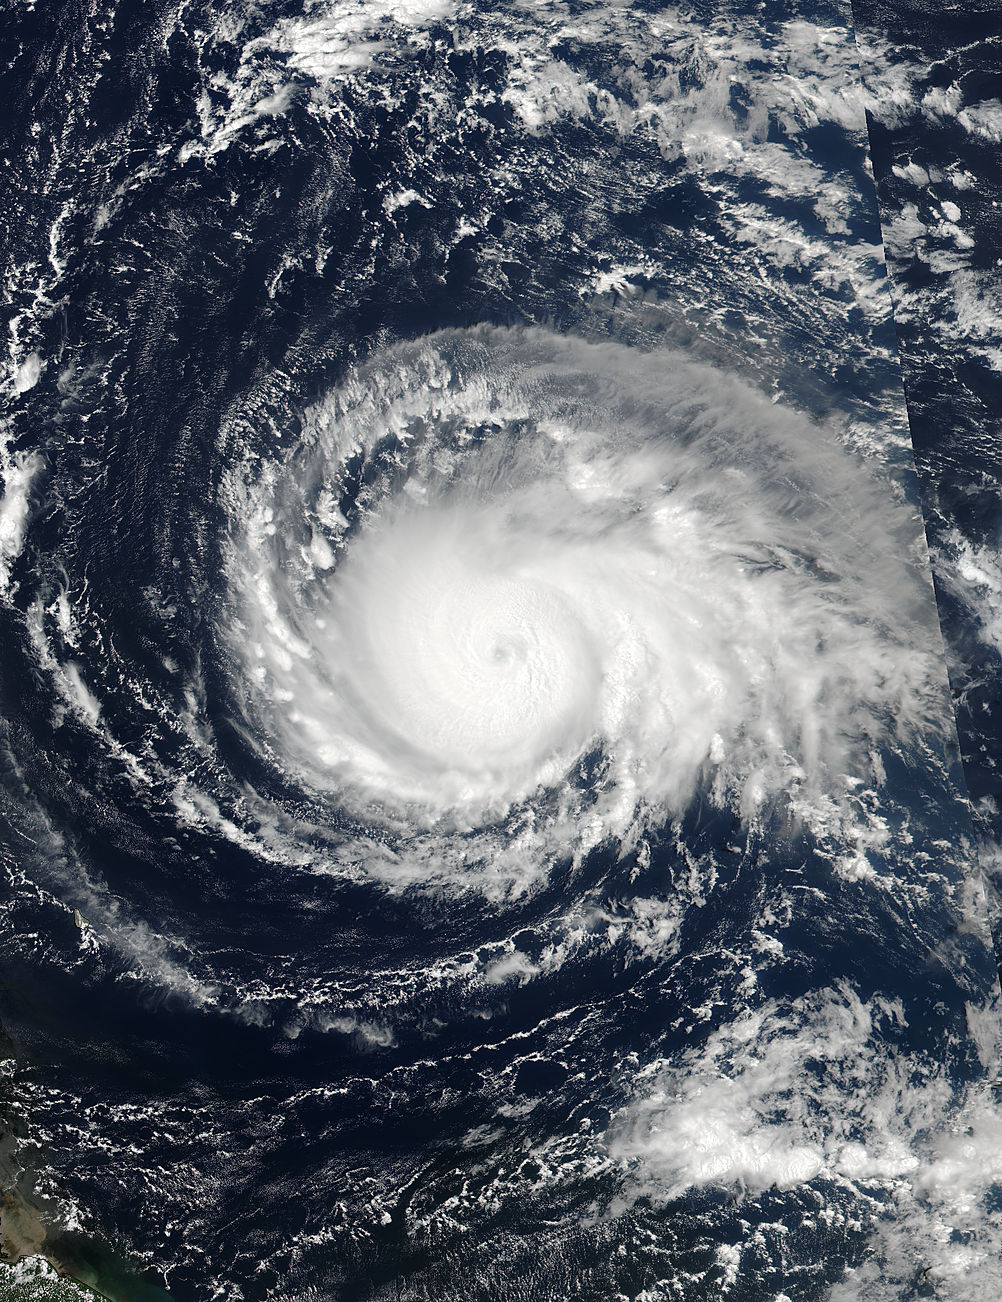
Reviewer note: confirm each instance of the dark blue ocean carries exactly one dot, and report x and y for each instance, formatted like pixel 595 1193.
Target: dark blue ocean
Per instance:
pixel 934 152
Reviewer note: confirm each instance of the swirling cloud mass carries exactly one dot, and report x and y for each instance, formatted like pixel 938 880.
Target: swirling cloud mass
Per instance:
pixel 481 810
pixel 513 582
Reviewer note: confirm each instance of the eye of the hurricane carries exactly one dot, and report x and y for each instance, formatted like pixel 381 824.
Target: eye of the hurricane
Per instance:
pixel 497 553
pixel 465 675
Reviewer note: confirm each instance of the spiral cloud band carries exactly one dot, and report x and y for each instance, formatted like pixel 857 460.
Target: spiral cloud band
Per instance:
pixel 520 586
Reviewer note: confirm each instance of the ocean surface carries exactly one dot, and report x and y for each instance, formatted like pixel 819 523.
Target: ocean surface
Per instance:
pixel 936 126
pixel 485 773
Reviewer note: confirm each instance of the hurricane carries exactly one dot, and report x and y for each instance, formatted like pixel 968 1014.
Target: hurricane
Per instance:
pixel 515 593
pixel 482 815
pixel 518 713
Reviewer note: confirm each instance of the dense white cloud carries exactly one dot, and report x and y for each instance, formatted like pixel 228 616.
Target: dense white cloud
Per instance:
pixel 570 550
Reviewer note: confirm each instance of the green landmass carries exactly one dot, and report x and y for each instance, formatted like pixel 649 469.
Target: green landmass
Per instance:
pixel 32 1279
